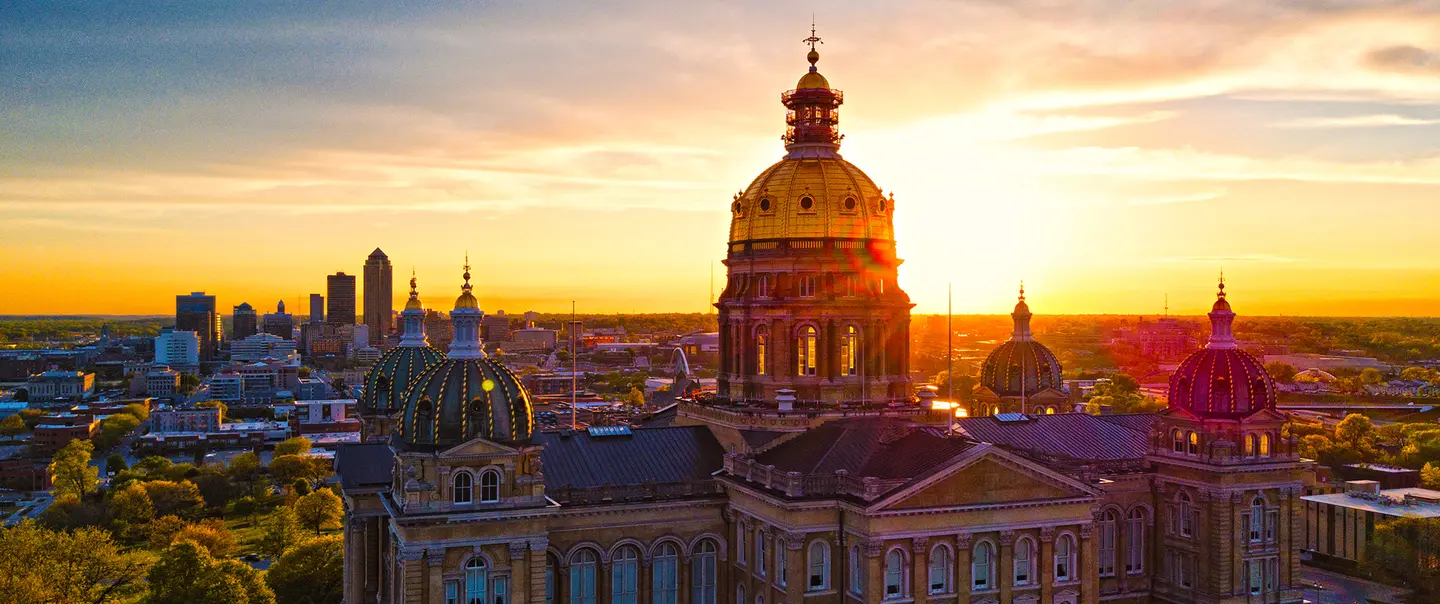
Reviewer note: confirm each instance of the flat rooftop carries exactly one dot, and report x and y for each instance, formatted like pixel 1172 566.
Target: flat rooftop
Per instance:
pixel 1410 503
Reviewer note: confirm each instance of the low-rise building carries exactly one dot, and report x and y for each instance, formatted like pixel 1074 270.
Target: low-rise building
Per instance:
pixel 325 417
pixel 1338 526
pixel 57 430
pixel 262 346
pixel 22 471
pixel 56 385
pixel 533 338
pixel 185 420
pixel 227 387
pixel 162 381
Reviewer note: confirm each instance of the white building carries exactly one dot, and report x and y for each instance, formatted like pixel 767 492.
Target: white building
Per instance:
pixel 262 346
pixel 178 349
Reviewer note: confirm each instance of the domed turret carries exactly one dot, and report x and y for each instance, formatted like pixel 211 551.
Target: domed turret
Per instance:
pixel 467 395
pixel 1021 367
pixel 1221 380
pixel 386 383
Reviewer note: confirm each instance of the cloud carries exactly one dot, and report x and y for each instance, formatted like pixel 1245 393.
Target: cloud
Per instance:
pixel 1354 121
pixel 1404 58
pixel 1224 259
pixel 1181 198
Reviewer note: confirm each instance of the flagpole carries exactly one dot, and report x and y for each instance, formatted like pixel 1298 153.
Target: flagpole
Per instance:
pixel 574 368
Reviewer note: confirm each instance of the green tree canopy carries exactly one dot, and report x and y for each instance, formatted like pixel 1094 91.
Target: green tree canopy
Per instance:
pixel 153 465
pixel 1355 430
pixel 132 505
pixel 1281 372
pixel 310 573
pixel 12 426
pixel 278 532
pixel 187 574
pixel 297 445
pixel 71 472
pixel 174 498
pixel 210 534
pixel 84 565
pixel 115 464
pixel 318 510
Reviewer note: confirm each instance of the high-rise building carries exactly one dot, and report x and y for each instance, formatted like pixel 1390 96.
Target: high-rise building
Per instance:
pixel 317 308
pixel 379 303
pixel 243 322
pixel 196 312
pixel 280 323
pixel 177 349
pixel 340 289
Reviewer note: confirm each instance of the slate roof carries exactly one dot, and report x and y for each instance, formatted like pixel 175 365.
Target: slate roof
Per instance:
pixel 1076 436
pixel 659 455
pixel 363 465
pixel 873 447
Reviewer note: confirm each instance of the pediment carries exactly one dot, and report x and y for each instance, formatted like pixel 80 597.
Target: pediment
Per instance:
pixel 477 447
pixel 987 475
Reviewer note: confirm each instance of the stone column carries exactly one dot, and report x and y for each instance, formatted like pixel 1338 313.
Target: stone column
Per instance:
pixel 372 545
pixel 962 567
pixel 539 565
pixel 412 575
pixel 1089 558
pixel 645 580
pixel 797 578
pixel 520 572
pixel 1005 575
pixel 602 579
pixel 919 567
pixel 1045 565
pixel 683 569
pixel 874 570
pixel 354 561
pixel 435 579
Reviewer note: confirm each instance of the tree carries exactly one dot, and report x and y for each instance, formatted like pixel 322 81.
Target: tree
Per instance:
pixel 246 506
pixel 163 530
pixel 1371 377
pixel 1430 476
pixel 138 410
pixel 1356 430
pixel 189 383
pixel 215 488
pixel 115 464
pixel 1312 445
pixel 214 405
pixel 179 498
pixel 318 510
pixel 31 416
pixel 243 466
pixel 1402 550
pixel 1280 372
pixel 210 534
pixel 635 398
pixel 187 574
pixel 279 531
pixel 71 472
pixel 298 445
pixel 132 505
pixel 12 426
pixel 288 468
pixel 303 372
pixel 310 573
pixel 153 465
pixel 301 488
pixel 116 427
pixel 85 565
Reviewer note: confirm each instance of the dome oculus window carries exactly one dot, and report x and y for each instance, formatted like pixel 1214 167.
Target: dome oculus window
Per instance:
pixel 882 204
pixel 764 204
pixel 850 203
pixel 807 203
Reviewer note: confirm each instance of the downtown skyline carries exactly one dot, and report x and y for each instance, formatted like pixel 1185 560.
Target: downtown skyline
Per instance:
pixel 1115 155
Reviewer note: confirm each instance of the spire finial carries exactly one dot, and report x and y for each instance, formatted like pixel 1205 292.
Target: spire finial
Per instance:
pixel 1022 290
pixel 814 55
pixel 413 293
pixel 1222 284
pixel 466 287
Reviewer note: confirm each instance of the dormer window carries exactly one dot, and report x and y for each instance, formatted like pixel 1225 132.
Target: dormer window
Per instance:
pixel 490 486
pixel 462 490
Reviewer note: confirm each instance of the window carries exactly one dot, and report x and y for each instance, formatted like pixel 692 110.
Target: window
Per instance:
pixel 1187 516
pixel 462 488
pixel 489 486
pixel 759 553
pixel 762 287
pixel 1265 444
pixel 549 581
pixel 760 350
pixel 624 571
pixel 850 286
pixel 665 582
pixel 1272 517
pixel 1256 519
pixel 982 569
pixel 741 543
pixel 940 570
pixel 1252 443
pixel 740 594
pixel 1024 556
pixel 819 565
pixel 1109 529
pixel 807 203
pixel 849 352
pixel 805 347
pixel 1178 441
pixel 582 577
pixel 880 283
pixel 500 586
pixel 476 576
pixel 764 204
pixel 894 574
pixel 1065 558
pixel 452 592
pixel 702 573
pixel 807 286
pixel 1194 443
pixel 849 203
pixel 782 563
pixel 1135 542
pixel 857 571
pixel 1253 576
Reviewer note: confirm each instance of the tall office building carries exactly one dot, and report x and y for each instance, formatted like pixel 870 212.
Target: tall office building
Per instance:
pixel 179 350
pixel 317 308
pixel 243 322
pixel 196 312
pixel 280 323
pixel 379 304
pixel 340 289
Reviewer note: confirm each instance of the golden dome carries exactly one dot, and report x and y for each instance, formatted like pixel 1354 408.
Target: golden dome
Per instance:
pixel 413 304
pixel 812 79
pixel 804 197
pixel 466 300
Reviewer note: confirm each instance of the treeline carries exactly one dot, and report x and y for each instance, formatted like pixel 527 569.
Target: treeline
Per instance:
pixel 674 322
pixel 22 330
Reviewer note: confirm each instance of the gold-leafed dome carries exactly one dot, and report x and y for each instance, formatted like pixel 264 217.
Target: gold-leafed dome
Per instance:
pixel 805 197
pixel 812 79
pixel 466 300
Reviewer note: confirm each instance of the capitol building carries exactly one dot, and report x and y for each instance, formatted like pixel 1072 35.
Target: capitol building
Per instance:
pixel 803 482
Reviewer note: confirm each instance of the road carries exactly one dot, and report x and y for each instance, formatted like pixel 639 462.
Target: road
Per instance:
pixel 1335 588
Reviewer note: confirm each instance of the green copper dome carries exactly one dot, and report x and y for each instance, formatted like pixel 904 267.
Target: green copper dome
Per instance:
pixel 463 398
pixel 386 383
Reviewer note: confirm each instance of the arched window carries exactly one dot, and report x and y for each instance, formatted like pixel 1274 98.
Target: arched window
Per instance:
pixel 624 576
pixel 490 486
pixel 1194 443
pixel 1109 531
pixel 940 569
pixel 1135 541
pixel 849 351
pixel 761 350
pixel 476 578
pixel 1252 443
pixel 1024 557
pixel 740 593
pixel 857 572
pixel 782 562
pixel 805 349
pixel 807 286
pixel 982 569
pixel 1187 519
pixel 462 489
pixel 1257 518
pixel 759 552
pixel 762 287
pixel 1265 444
pixel 850 286
pixel 894 574
pixel 1065 558
pixel 582 578
pixel 742 542
pixel 702 573
pixel 818 563
pixel 665 582
pixel 1177 441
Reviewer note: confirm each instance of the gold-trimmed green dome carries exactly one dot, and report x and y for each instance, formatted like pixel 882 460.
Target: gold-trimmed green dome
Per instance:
pixel 463 398
pixel 387 381
pixel 805 197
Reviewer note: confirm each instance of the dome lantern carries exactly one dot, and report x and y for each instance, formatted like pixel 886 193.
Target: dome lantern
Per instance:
pixel 813 116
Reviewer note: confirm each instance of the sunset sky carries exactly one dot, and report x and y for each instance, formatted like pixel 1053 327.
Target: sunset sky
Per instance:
pixel 1107 152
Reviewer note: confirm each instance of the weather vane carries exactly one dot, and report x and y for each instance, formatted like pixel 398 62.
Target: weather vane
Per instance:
pixel 812 40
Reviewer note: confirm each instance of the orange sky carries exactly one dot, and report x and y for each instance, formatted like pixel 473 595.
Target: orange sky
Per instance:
pixel 1108 153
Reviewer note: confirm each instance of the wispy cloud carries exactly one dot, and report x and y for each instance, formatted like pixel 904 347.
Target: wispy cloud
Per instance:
pixel 1225 259
pixel 1197 196
pixel 1354 121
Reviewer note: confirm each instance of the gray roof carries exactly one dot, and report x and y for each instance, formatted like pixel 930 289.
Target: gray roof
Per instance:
pixel 1076 436
pixel 659 455
pixel 363 465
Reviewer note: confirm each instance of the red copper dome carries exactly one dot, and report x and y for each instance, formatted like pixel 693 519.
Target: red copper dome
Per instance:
pixel 1221 380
